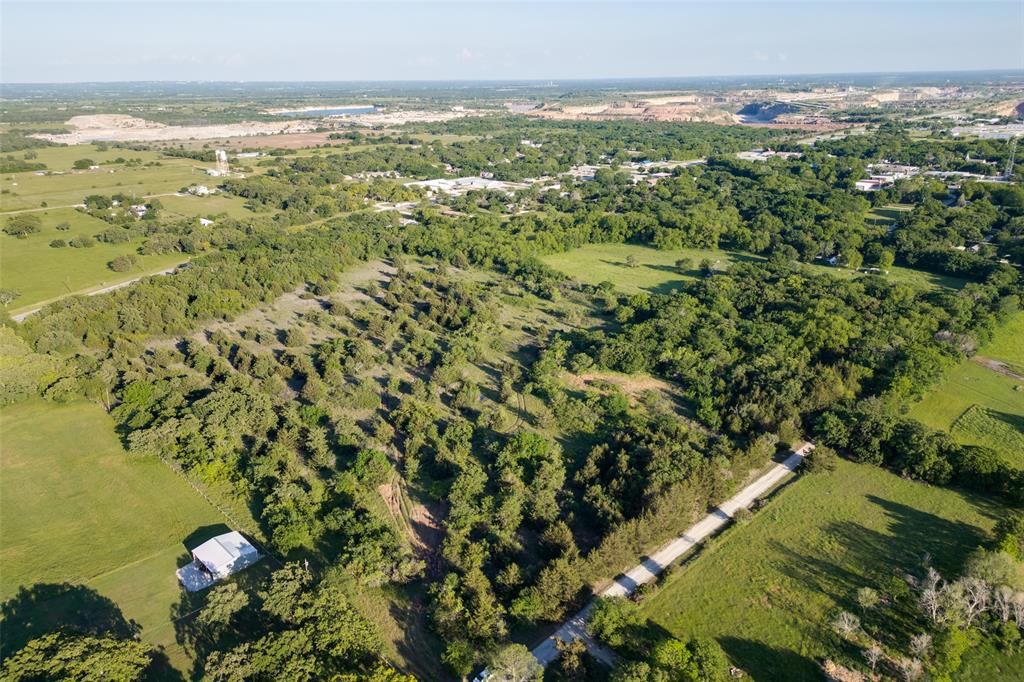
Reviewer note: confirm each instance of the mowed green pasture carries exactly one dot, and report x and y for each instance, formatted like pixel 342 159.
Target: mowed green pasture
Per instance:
pixel 979 406
pixel 188 206
pixel 767 590
pixel 28 190
pixel 655 270
pixel 62 158
pixel 1008 343
pixel 78 510
pixel 885 215
pixel 43 273
pixel 966 384
pixel 337 147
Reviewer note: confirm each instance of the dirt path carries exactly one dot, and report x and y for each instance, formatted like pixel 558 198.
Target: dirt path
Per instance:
pixel 41 208
pixel 420 524
pixel 651 566
pixel 997 366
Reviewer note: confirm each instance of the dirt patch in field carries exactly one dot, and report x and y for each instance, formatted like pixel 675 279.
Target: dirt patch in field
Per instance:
pixel 633 385
pixel 420 523
pixel 351 281
pixel 997 366
pixel 281 314
pixel 389 493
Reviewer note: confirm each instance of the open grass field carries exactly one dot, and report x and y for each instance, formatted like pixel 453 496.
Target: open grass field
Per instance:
pixel 443 138
pixel 964 385
pixel 1008 343
pixel 42 273
pixel 187 206
pixel 885 215
pixel 77 510
pixel 766 590
pixel 28 190
pixel 337 147
pixel 63 157
pixel 655 271
pixel 978 405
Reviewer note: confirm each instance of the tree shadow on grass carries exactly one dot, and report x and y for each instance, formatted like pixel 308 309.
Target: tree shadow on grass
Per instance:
pixel 869 554
pixel 768 663
pixel 45 607
pixel 1015 422
pixel 667 287
pixel 419 646
pixel 869 558
pixel 201 535
pixel 918 532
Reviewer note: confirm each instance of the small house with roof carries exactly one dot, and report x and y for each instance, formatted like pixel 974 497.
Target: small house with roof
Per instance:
pixel 216 559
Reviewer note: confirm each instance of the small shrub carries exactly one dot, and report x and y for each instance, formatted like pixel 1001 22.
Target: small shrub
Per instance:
pixel 123 263
pixel 295 337
pixel 822 460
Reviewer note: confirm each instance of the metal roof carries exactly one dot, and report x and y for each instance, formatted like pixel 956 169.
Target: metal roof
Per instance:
pixel 226 553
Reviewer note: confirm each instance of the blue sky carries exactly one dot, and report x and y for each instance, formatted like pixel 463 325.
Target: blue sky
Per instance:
pixel 290 40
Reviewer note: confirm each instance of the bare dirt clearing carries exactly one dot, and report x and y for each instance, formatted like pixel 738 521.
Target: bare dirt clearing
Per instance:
pixel 997 366
pixel 121 128
pixel 420 523
pixel 633 386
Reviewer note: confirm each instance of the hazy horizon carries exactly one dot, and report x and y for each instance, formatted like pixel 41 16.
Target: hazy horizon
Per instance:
pixel 161 41
pixel 732 78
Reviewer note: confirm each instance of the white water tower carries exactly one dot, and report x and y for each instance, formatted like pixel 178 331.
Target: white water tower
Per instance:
pixel 222 161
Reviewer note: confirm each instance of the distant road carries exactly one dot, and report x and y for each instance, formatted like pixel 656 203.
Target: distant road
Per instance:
pixel 41 208
pixel 20 317
pixel 652 566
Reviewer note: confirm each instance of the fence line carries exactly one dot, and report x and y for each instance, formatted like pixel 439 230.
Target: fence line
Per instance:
pixel 231 520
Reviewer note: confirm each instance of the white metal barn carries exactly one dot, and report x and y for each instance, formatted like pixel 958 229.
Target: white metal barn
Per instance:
pixel 216 559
